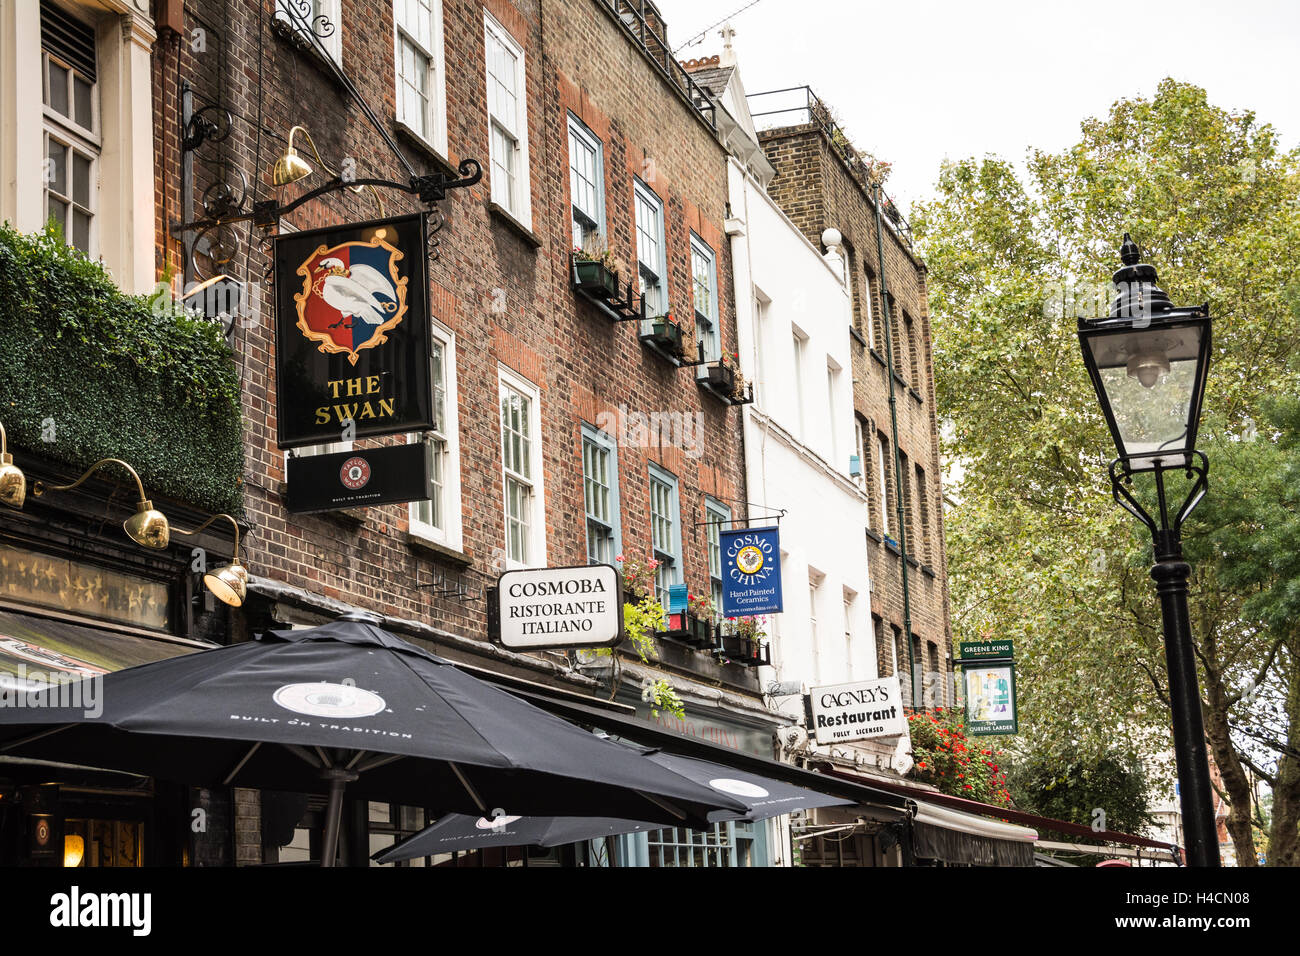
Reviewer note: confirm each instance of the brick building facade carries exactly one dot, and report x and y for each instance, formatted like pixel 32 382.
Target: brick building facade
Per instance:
pixel 822 183
pixel 501 300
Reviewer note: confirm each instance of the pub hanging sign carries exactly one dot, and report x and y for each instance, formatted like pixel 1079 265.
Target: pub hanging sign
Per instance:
pixel 352 332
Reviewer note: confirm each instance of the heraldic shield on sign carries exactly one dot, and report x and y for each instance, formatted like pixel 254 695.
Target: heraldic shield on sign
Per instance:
pixel 351 295
pixel 352 332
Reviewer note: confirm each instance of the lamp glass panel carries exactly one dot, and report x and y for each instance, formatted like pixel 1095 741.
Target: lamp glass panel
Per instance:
pixel 1156 418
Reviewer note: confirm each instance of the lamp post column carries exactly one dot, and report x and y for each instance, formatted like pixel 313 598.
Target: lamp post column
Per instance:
pixel 1171 573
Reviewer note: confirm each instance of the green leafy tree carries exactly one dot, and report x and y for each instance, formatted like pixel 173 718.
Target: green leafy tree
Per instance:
pixel 1107 794
pixel 1038 550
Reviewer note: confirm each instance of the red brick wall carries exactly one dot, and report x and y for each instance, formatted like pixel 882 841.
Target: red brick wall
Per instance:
pixel 577 57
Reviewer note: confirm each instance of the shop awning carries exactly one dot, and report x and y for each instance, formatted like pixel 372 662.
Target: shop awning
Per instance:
pixel 37 650
pixel 887 806
pixel 952 836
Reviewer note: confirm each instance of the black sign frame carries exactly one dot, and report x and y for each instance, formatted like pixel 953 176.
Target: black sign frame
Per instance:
pixel 383 385
pixel 389 475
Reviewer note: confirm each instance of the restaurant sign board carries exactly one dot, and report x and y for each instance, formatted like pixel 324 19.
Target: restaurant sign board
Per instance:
pixel 857 711
pixel 352 332
pixel 578 606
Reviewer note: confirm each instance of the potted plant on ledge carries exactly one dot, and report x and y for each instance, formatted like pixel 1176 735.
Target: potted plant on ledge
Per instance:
pixel 594 270
pixel 665 333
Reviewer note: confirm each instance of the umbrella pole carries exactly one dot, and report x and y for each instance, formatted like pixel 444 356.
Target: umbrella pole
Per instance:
pixel 334 811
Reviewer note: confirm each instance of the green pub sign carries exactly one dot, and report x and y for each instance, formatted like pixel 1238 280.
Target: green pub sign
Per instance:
pixel 989 678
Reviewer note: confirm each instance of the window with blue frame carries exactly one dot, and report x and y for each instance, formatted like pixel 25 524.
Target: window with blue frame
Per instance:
pixel 722 845
pixel 704 282
pixel 600 495
pixel 718 518
pixel 650 255
pixel 665 531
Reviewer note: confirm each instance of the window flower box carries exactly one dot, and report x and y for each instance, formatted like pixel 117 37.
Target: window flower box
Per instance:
pixel 686 628
pixel 665 334
pixel 595 277
pixel 746 651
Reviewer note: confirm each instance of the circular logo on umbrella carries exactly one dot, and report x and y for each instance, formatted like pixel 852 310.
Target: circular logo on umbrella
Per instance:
pixel 495 823
pixel 355 473
pixel 741 788
pixel 328 700
pixel 750 560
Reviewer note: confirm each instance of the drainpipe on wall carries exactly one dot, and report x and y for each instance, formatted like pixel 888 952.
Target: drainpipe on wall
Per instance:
pixel 898 464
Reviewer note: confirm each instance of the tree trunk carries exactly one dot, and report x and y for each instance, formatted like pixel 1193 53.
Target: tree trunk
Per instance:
pixel 1236 785
pixel 1284 833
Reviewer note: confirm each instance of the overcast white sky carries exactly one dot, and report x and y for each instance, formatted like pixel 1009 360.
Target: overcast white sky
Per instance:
pixel 917 81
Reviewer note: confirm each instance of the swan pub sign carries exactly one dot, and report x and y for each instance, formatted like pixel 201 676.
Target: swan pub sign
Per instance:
pixel 352 332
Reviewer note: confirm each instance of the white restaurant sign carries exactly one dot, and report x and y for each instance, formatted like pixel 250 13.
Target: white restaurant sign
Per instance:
pixel 560 607
pixel 857 711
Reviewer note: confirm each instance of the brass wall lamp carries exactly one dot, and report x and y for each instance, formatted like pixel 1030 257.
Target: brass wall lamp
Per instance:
pixel 230 584
pixel 146 527
pixel 13 483
pixel 290 167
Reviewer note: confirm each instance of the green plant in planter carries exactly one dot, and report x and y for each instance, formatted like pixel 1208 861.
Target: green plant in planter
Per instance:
pixel 643 617
pixel 958 765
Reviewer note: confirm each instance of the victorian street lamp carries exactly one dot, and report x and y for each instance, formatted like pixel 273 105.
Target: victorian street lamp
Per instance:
pixel 1148 361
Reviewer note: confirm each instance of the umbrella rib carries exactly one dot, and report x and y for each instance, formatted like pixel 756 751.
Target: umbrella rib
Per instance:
pixel 36 736
pixel 324 760
pixel 355 757
pixel 304 754
pixel 464 781
pixel 378 761
pixel 663 805
pixel 240 766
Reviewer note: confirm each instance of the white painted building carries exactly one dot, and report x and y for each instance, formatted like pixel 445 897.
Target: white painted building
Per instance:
pixel 793 315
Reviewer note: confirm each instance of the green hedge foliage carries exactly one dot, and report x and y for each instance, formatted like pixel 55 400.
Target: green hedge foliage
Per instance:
pixel 106 375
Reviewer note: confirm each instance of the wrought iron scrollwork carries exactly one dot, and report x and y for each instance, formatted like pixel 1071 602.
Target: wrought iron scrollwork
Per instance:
pixel 211 124
pixel 294 18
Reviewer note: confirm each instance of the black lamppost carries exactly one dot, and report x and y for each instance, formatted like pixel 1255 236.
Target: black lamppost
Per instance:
pixel 1148 362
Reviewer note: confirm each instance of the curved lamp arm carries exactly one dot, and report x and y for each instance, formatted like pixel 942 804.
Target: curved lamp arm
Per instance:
pixel 234 524
pixel 39 488
pixel 329 169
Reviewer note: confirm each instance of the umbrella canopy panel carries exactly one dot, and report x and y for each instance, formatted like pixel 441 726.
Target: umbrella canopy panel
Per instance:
pixel 350 700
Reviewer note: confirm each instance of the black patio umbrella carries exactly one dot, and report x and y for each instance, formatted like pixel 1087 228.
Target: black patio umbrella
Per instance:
pixel 349 704
pixel 763 796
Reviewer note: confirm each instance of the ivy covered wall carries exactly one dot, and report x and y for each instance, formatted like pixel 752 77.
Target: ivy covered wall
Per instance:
pixel 87 372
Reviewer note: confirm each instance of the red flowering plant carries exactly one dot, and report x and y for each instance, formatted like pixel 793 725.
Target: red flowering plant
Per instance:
pixel 958 765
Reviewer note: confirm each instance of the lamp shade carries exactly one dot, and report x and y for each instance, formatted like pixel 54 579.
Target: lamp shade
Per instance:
pixel 290 168
pixel 148 527
pixel 229 584
pixel 1148 361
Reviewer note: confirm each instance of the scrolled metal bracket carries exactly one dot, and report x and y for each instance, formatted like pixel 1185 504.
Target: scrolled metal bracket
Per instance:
pixel 1196 467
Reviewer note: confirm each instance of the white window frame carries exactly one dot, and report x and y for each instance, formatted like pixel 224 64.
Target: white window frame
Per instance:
pixel 587 223
pixel 849 597
pixel 799 358
pixel 815 579
pixel 832 417
pixel 74 139
pixel 716 514
pixel 535 542
pixel 645 197
pixel 601 441
pixel 675 574
pixel 331 10
pixel 706 322
pixel 514 128
pixel 450 535
pixel 432 126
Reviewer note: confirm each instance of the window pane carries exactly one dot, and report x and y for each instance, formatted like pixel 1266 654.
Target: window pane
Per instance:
pixel 80 179
pixel 81 230
pixel 58 167
pixel 58 77
pixel 81 91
